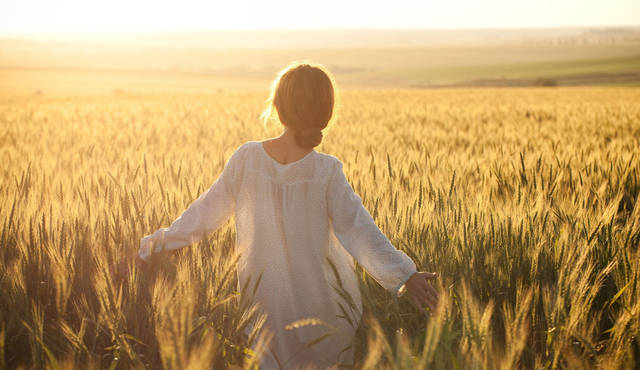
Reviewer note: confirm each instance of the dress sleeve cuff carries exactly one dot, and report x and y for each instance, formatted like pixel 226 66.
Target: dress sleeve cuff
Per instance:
pixel 145 248
pixel 401 289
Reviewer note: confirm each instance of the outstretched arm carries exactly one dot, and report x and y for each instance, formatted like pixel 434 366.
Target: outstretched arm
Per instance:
pixel 204 215
pixel 357 232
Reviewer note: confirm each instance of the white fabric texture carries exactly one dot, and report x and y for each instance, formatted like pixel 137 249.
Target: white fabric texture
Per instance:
pixel 291 219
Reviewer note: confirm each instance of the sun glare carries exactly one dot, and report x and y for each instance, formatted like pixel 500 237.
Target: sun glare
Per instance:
pixel 38 16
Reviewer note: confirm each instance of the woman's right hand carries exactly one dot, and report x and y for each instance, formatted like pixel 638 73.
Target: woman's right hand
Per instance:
pixel 421 292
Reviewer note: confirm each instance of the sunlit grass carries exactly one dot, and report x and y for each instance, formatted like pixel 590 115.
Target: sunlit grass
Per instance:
pixel 524 200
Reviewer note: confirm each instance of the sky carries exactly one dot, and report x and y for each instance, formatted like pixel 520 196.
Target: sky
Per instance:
pixel 77 16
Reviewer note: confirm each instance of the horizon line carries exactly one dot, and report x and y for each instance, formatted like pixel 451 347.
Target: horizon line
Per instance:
pixel 263 29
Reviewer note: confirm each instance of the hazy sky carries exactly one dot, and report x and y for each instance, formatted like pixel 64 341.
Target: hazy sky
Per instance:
pixel 18 16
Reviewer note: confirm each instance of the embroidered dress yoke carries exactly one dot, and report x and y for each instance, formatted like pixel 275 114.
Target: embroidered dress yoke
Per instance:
pixel 290 220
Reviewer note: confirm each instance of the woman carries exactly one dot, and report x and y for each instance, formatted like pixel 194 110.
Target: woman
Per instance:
pixel 299 225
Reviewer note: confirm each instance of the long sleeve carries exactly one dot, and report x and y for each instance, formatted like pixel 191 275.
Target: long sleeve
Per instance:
pixel 357 232
pixel 208 212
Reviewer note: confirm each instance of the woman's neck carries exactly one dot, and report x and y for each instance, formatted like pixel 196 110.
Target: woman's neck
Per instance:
pixel 284 148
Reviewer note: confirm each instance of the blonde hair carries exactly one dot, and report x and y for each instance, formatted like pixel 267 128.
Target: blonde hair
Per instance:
pixel 304 96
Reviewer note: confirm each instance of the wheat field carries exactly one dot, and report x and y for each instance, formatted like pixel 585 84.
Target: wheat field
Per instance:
pixel 524 200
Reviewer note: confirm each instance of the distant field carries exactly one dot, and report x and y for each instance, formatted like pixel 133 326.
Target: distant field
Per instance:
pixel 58 82
pixel 603 71
pixel 192 64
pixel 613 71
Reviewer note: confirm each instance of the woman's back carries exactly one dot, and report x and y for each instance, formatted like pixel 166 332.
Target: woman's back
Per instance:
pixel 279 201
pixel 290 220
pixel 283 233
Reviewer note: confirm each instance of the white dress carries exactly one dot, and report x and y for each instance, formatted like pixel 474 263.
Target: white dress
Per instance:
pixel 290 220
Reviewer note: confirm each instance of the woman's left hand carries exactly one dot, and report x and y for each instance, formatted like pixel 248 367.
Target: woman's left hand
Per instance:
pixel 421 292
pixel 120 269
pixel 140 262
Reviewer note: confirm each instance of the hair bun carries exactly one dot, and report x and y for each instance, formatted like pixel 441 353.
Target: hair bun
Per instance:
pixel 309 137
